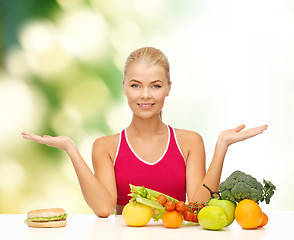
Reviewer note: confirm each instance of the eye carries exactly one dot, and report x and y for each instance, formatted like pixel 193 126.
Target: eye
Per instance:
pixel 156 86
pixel 135 85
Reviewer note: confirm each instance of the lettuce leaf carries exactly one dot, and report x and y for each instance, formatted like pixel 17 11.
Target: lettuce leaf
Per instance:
pixel 40 219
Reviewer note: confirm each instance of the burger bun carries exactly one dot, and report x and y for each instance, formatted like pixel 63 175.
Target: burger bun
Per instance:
pixel 53 224
pixel 49 212
pixel 46 213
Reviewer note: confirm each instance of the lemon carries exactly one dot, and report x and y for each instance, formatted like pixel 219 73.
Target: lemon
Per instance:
pixel 212 217
pixel 137 214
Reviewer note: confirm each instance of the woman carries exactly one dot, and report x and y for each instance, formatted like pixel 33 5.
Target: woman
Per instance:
pixel 147 152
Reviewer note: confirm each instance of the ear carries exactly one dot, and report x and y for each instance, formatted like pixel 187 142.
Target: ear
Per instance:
pixel 169 88
pixel 123 85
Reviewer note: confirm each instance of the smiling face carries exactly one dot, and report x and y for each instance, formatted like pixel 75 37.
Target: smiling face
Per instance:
pixel 146 87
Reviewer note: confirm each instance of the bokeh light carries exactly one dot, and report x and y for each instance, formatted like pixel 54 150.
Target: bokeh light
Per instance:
pixel 20 109
pixel 10 184
pixel 44 52
pixel 85 31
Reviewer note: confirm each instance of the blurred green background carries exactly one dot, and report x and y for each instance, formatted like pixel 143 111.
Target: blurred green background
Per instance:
pixel 61 66
pixel 61 71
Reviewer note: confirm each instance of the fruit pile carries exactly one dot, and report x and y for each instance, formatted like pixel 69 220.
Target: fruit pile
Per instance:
pixel 178 211
pixel 217 213
pixel 221 213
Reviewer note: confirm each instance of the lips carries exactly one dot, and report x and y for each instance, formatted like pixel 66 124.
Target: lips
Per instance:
pixel 145 106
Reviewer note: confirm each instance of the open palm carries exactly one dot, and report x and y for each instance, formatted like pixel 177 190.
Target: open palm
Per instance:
pixel 61 142
pixel 234 135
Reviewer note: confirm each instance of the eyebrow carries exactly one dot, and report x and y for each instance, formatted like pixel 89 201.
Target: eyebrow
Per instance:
pixel 134 80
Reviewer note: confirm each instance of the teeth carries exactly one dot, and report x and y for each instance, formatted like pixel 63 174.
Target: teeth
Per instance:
pixel 145 105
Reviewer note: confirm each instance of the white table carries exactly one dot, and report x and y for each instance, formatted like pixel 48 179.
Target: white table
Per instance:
pixel 88 227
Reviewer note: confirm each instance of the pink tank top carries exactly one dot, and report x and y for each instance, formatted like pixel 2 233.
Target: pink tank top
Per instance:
pixel 167 175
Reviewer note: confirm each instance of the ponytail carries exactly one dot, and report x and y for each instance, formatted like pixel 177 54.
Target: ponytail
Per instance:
pixel 160 114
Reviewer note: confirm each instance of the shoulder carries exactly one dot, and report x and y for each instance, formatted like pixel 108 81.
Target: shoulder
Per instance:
pixel 187 136
pixel 190 142
pixel 106 145
pixel 107 140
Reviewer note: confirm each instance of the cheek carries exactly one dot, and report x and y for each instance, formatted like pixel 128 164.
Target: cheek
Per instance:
pixel 159 99
pixel 160 95
pixel 131 94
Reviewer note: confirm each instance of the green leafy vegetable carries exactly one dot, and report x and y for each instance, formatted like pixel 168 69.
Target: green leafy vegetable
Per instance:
pixel 268 191
pixel 148 193
pixel 42 219
pixel 239 186
pixel 149 197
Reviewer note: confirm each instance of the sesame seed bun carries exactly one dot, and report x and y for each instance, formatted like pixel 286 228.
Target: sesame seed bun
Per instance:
pixel 49 212
pixel 46 213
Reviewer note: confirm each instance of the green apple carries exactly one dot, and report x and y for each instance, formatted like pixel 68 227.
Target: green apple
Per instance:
pixel 212 217
pixel 227 205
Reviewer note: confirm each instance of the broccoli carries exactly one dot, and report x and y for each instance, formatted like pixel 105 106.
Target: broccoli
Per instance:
pixel 239 186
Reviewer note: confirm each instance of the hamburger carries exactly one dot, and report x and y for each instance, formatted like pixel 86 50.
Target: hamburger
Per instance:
pixel 47 218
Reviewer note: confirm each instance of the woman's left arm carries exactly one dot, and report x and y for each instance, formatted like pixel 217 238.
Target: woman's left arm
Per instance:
pixel 213 175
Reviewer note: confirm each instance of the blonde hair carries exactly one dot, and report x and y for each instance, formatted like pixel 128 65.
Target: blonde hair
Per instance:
pixel 150 55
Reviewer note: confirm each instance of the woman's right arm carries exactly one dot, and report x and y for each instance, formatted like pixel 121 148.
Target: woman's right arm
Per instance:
pixel 99 189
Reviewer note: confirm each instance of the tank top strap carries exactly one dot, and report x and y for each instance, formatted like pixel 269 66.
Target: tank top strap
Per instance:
pixel 174 142
pixel 121 147
pixel 124 148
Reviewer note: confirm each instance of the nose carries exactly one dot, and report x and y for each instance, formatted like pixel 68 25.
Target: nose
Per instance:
pixel 145 94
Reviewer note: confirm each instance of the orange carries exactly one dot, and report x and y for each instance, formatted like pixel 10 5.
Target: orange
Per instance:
pixel 248 214
pixel 172 219
pixel 264 220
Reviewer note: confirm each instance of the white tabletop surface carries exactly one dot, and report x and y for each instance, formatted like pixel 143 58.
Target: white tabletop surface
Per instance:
pixel 88 227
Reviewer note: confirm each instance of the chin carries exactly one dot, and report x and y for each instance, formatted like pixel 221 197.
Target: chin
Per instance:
pixel 146 115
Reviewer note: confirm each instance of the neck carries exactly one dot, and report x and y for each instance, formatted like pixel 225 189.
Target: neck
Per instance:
pixel 145 127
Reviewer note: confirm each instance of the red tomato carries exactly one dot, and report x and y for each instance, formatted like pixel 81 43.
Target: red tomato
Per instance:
pixel 161 199
pixel 170 205
pixel 192 206
pixel 200 205
pixel 180 206
pixel 195 217
pixel 188 216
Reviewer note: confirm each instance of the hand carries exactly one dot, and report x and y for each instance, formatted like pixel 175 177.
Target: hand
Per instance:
pixel 60 142
pixel 231 136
